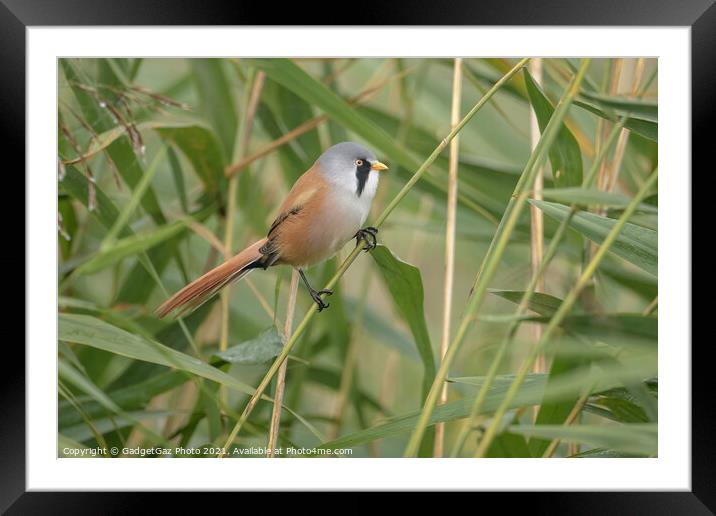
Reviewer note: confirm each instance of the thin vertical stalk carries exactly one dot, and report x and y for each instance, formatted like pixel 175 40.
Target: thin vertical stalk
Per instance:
pixel 615 165
pixel 537 217
pixel 356 251
pixel 281 376
pixel 495 252
pixel 252 92
pixel 449 242
pixel 614 79
pixel 564 308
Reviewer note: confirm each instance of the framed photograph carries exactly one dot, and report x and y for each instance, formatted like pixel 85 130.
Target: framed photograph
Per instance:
pixel 370 256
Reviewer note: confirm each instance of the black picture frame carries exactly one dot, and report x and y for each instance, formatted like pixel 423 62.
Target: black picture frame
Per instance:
pixel 17 15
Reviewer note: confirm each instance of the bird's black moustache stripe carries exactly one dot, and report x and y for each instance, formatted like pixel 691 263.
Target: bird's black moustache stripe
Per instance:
pixel 362 173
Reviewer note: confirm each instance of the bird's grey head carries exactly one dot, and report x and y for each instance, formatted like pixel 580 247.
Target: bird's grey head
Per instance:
pixel 349 165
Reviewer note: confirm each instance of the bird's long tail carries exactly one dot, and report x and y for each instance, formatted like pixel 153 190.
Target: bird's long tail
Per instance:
pixel 202 289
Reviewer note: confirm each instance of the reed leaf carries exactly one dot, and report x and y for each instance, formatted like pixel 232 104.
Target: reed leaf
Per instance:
pixel 635 243
pixel 634 438
pixel 565 155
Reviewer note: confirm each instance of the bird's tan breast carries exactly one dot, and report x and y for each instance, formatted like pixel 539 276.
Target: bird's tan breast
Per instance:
pixel 318 224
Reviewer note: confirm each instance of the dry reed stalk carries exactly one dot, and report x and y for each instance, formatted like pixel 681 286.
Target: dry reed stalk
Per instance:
pixel 615 164
pixel 615 78
pixel 281 375
pixel 537 218
pixel 449 242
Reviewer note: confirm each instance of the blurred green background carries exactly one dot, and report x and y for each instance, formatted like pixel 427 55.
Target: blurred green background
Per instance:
pixel 146 142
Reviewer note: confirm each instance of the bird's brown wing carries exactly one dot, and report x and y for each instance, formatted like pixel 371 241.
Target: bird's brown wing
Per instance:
pixel 292 237
pixel 294 210
pixel 301 193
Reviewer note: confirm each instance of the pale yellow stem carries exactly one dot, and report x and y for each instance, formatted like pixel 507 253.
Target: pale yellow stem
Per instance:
pixel 616 163
pixel 281 375
pixel 616 73
pixel 449 242
pixel 537 218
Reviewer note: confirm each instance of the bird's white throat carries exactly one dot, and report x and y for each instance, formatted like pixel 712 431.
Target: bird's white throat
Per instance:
pixel 354 207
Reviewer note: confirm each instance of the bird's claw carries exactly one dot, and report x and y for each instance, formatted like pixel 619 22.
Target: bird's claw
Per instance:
pixel 316 296
pixel 367 235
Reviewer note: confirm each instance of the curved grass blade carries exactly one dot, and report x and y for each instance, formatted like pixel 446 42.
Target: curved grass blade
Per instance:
pixel 646 109
pixel 69 374
pixel 90 331
pixel 565 155
pixel 178 176
pixel 543 304
pixel 636 244
pixel 137 195
pixel 592 197
pixel 103 425
pixel 593 379
pixel 128 398
pixel 638 438
pixel 406 288
pixel 130 246
pixel 647 128
pixel 201 148
pixel 619 405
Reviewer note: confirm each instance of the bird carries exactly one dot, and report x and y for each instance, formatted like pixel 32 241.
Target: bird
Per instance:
pixel 325 209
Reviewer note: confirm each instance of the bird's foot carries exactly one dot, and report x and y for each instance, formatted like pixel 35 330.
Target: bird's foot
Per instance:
pixel 367 235
pixel 316 296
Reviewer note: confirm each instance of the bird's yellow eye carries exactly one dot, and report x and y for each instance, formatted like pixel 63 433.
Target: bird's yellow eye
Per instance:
pixel 359 162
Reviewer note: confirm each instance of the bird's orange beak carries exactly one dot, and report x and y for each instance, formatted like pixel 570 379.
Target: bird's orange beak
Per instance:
pixel 377 165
